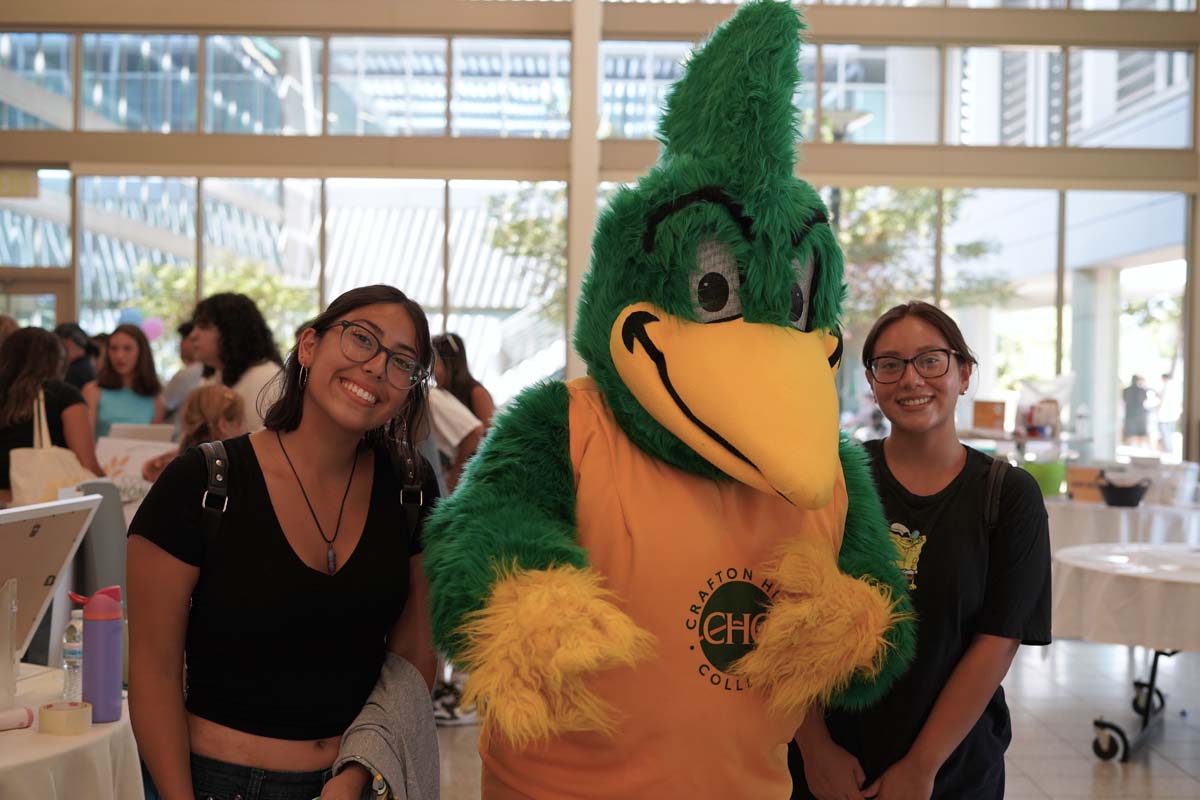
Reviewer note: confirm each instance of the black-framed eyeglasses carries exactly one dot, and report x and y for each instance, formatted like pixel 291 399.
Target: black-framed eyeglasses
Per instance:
pixel 360 345
pixel 929 364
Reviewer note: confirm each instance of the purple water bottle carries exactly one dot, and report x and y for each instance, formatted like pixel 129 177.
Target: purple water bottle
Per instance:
pixel 103 627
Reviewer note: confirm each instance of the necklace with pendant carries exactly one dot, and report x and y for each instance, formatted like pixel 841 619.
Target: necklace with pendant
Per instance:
pixel 330 558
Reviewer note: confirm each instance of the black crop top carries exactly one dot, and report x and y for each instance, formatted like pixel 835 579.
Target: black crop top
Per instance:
pixel 274 647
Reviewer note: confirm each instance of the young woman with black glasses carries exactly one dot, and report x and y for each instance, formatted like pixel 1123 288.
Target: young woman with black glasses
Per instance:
pixel 979 580
pixel 286 611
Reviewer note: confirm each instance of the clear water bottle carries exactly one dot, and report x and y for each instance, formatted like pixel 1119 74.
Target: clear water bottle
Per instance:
pixel 72 643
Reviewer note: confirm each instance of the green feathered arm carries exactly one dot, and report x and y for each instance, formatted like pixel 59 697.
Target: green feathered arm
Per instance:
pixel 515 508
pixel 513 598
pixel 868 551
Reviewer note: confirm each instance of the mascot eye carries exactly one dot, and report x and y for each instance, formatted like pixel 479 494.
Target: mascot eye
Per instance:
pixel 800 313
pixel 716 283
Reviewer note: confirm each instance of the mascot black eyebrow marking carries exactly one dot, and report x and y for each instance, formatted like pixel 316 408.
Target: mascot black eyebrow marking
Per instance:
pixel 705 194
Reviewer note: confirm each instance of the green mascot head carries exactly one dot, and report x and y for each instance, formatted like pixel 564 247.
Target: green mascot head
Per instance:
pixel 709 317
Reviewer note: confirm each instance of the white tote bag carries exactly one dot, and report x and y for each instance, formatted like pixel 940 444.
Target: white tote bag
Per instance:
pixel 37 473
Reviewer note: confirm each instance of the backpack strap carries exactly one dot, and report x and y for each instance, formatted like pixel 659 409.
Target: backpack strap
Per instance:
pixel 216 495
pixel 991 503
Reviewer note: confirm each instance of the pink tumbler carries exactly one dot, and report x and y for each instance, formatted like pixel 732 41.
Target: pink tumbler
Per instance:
pixel 103 628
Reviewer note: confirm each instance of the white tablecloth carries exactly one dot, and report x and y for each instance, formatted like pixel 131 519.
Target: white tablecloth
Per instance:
pixel 101 764
pixel 1132 594
pixel 1074 524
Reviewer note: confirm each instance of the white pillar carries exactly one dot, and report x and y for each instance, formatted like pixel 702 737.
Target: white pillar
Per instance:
pixel 586 16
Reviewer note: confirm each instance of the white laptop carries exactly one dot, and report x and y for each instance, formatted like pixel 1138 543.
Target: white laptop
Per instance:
pixel 36 544
pixel 158 432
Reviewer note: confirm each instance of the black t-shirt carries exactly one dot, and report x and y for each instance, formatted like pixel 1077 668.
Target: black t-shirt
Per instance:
pixel 274 647
pixel 80 372
pixel 59 397
pixel 964 580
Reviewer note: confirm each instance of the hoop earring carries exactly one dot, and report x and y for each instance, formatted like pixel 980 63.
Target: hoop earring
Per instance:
pixel 302 378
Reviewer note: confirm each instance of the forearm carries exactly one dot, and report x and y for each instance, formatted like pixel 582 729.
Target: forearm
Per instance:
pixel 963 699
pixel 160 726
pixel 813 730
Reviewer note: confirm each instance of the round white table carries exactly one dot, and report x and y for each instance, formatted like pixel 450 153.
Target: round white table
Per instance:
pixel 1073 523
pixel 101 764
pixel 1144 595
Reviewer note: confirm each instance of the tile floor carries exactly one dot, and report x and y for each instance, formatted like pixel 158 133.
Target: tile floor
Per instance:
pixel 1054 694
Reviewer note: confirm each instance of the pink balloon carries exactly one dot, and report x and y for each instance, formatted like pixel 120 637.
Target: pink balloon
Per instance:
pixel 153 327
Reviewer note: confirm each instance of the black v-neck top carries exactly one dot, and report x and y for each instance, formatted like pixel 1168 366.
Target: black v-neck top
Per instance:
pixel 274 647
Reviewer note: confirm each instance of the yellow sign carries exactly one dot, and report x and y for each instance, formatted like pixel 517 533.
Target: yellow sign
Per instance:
pixel 18 183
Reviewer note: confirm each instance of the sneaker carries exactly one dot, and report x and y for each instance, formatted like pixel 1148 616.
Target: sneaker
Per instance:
pixel 448 709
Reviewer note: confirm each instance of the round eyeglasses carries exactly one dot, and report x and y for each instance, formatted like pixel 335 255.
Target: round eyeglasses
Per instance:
pixel 360 345
pixel 930 364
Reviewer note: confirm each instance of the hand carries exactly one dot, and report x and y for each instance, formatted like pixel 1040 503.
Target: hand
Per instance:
pixel 154 467
pixel 907 779
pixel 347 784
pixel 832 772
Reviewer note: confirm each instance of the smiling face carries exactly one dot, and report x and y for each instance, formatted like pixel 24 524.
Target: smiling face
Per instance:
pixel 123 354
pixel 359 395
pixel 915 404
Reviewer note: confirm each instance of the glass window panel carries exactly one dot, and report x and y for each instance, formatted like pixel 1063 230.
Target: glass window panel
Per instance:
pixel 263 84
pixel 905 3
pixel 511 87
pixel 887 237
pixel 1130 98
pixel 387 86
pixel 139 82
pixel 35 231
pixel 634 81
pixel 999 278
pixel 508 271
pixel 386 231
pixel 1010 96
pixel 1126 262
pixel 137 252
pixel 35 81
pixel 1134 5
pixel 261 238
pixel 30 310
pixel 879 95
pixel 1011 3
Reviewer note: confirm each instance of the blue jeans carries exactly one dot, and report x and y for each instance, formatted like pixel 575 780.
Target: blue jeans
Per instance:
pixel 217 780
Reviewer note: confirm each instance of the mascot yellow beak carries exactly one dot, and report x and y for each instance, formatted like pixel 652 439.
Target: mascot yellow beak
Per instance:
pixel 756 401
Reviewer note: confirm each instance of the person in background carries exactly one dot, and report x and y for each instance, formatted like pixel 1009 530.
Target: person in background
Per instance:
pixel 979 590
pixel 81 369
pixel 1170 409
pixel 313 583
pixel 185 380
pixel 127 390
pixel 31 360
pixel 99 350
pixel 210 413
pixel 456 431
pixel 230 337
pixel 1136 429
pixel 454 375
pixel 8 326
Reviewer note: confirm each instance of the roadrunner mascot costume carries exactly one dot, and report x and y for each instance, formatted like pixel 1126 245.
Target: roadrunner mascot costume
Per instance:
pixel 652 572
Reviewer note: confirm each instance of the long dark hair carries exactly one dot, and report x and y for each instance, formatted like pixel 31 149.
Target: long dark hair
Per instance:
pixel 924 311
pixel 459 380
pixel 28 358
pixel 145 378
pixel 245 338
pixel 398 433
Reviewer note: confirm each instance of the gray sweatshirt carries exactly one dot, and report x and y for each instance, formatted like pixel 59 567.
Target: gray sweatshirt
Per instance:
pixel 394 735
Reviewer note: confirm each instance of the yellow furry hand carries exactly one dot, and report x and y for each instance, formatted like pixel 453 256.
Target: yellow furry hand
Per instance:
pixel 531 648
pixel 822 629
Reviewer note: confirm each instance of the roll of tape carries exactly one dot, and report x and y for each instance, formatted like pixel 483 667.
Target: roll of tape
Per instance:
pixel 65 719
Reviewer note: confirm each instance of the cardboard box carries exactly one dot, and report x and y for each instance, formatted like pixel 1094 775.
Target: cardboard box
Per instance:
pixel 989 415
pixel 1083 484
